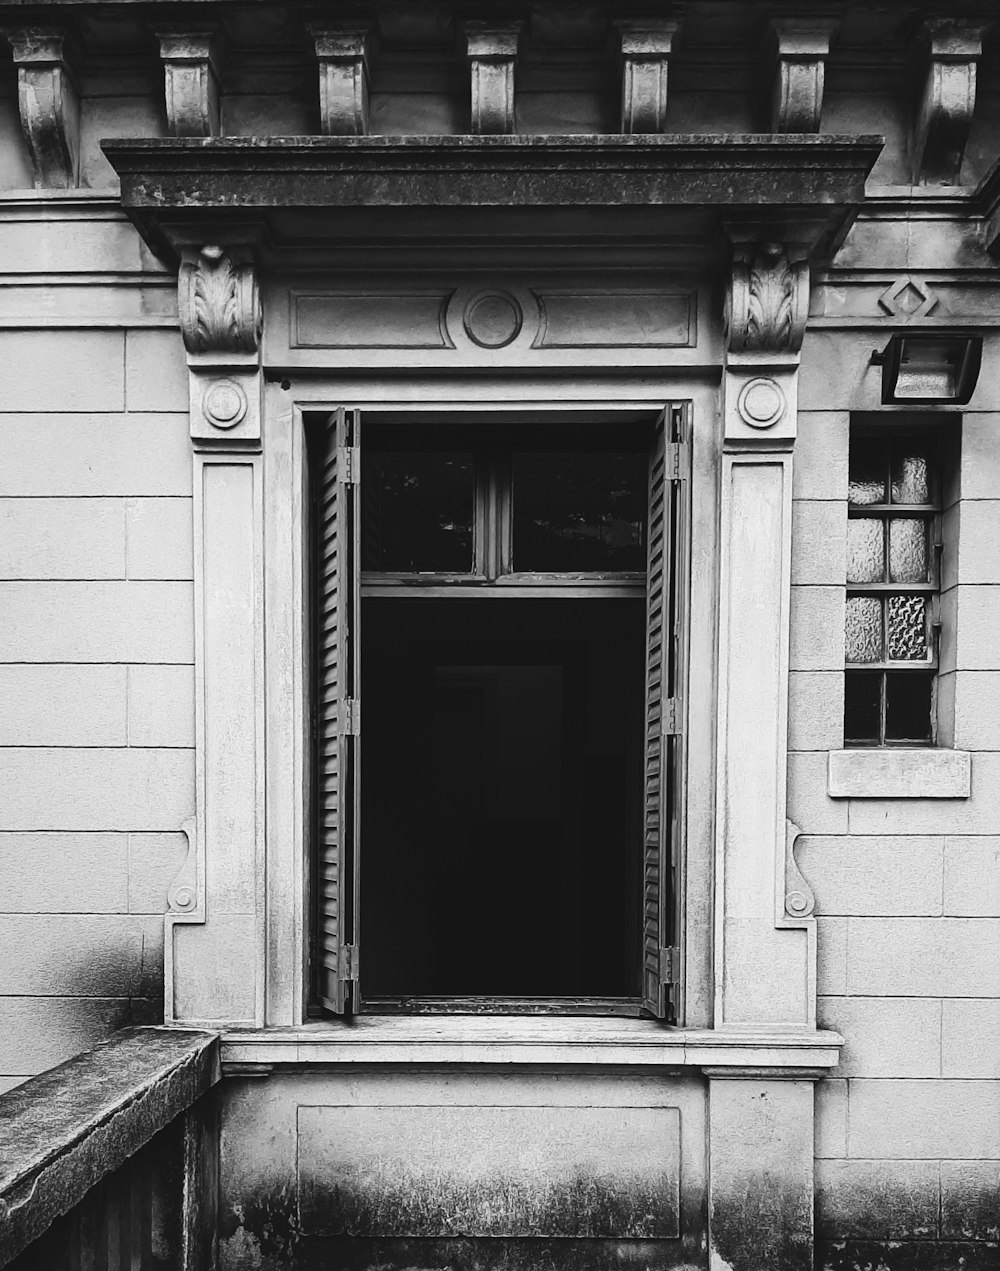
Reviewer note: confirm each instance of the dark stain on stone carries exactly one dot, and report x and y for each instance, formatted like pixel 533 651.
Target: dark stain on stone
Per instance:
pixel 382 1202
pixel 908 1255
pixel 349 1254
pixel 260 1231
pixel 760 1228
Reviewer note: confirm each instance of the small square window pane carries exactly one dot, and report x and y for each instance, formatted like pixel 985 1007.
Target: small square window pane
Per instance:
pixel 863 642
pixel 907 707
pixel 906 623
pixel 865 550
pixel 868 467
pixel 863 707
pixel 417 510
pixel 910 472
pixel 579 513
pixel 908 555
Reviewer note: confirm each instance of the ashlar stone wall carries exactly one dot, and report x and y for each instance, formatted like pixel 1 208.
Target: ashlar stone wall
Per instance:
pixel 96 645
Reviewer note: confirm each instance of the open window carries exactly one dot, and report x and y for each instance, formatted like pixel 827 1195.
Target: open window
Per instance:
pixel 503 829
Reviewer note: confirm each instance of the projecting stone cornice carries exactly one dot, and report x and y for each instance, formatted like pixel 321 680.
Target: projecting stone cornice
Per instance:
pixel 793 187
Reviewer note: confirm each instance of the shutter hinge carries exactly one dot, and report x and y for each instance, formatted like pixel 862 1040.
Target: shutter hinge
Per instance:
pixel 670 964
pixel 348 465
pixel 675 458
pixel 352 717
pixel 348 961
pixel 670 720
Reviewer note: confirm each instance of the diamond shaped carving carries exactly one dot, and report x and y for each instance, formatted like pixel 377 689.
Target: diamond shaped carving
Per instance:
pixel 907 298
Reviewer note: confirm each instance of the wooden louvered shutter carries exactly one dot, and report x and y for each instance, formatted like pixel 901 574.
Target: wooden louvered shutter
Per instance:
pixel 666 587
pixel 338 709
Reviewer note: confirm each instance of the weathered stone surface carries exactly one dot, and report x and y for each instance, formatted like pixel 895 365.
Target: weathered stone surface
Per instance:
pixel 877 1200
pixel 65 1130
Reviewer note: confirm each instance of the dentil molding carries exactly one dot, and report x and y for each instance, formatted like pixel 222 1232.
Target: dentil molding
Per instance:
pixel 48 104
pixel 190 79
pixel 949 98
pixel 797 95
pixel 646 45
pixel 491 51
pixel 342 53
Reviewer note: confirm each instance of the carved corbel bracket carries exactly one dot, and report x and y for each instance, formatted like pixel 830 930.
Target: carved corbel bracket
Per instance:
pixel 768 301
pixel 190 80
pixel 766 311
pixel 491 51
pixel 949 98
pixel 797 94
pixel 221 322
pixel 797 900
pixel 49 105
pixel 343 52
pixel 646 45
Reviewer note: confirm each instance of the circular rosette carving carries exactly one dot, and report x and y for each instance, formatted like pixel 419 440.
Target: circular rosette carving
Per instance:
pixel 224 404
pixel 492 319
pixel 761 403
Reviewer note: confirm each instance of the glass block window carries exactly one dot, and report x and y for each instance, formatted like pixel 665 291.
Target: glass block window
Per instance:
pixel 890 639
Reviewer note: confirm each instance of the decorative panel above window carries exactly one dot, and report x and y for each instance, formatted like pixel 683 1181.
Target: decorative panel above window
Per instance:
pixel 893 550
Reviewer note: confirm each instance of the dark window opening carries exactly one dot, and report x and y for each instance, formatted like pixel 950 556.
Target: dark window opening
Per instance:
pixel 500 803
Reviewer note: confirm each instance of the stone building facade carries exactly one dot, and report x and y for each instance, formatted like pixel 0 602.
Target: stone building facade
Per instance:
pixel 248 247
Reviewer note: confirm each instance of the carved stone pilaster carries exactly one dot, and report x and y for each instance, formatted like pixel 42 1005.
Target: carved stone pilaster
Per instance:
pixel 797 94
pixel 48 104
pixel 646 45
pixel 190 80
pixel 343 53
pixel 491 51
pixel 949 98
pixel 220 318
pixel 768 301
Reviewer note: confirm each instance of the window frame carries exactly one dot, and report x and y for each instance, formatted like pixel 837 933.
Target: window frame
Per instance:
pixel 891 434
pixel 677 469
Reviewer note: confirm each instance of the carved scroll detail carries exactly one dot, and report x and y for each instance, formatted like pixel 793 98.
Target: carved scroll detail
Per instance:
pixel 48 104
pixel 949 99
pixel 768 301
pixel 185 900
pixel 218 302
pixel 799 899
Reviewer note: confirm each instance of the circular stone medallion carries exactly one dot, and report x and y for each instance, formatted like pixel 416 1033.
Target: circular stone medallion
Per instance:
pixel 492 319
pixel 761 403
pixel 224 403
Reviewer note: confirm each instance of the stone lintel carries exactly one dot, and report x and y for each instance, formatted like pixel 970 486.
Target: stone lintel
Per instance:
pixel 954 46
pixel 343 52
pixel 189 54
pixel 48 104
pixel 646 44
pixel 803 44
pixel 491 51
pixel 63 1131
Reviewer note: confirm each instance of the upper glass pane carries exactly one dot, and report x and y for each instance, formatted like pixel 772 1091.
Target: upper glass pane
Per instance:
pixel 910 472
pixel 868 468
pixel 418 511
pixel 578 512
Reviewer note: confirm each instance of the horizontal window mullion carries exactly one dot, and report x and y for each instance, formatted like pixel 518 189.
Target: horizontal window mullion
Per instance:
pixel 874 510
pixel 892 589
pixel 914 668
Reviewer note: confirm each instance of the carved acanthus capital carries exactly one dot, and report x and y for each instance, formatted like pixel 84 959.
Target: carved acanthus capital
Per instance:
pixel 48 104
pixel 190 79
pixel 491 51
pixel 646 44
pixel 768 301
pixel 949 98
pixel 797 96
pixel 218 301
pixel 343 52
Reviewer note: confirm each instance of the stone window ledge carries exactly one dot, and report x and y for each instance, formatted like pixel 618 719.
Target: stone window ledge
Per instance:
pixel 470 1040
pixel 905 773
